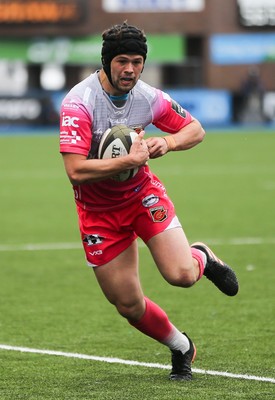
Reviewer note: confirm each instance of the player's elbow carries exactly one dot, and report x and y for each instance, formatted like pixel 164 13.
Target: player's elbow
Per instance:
pixel 75 182
pixel 75 177
pixel 74 168
pixel 201 134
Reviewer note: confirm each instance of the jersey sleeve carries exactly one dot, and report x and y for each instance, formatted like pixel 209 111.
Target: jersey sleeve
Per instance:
pixel 75 128
pixel 169 116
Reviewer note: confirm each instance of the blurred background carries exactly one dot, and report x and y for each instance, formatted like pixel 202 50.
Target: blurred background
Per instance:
pixel 216 58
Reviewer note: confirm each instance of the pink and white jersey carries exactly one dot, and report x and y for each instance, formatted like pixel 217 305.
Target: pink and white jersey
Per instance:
pixel 87 112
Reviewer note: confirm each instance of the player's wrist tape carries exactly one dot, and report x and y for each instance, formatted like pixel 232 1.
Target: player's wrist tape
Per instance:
pixel 171 143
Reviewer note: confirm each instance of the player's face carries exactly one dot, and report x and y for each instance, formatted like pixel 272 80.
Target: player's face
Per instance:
pixel 125 71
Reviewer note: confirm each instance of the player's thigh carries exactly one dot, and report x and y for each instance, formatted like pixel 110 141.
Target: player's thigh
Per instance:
pixel 119 278
pixel 172 254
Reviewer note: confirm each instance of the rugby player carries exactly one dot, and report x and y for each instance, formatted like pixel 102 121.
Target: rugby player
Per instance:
pixel 112 215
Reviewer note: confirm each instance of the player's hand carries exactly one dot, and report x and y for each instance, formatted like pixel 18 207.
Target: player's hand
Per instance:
pixel 139 150
pixel 157 146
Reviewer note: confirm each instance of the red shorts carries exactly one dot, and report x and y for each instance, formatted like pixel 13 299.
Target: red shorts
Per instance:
pixel 106 234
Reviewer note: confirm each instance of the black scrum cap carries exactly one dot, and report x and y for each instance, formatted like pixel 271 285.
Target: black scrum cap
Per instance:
pixel 121 39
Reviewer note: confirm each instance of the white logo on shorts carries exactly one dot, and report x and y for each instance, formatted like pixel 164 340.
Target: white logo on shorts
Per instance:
pixel 150 200
pixel 96 253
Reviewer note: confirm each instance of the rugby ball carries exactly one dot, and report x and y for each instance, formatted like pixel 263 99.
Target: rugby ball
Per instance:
pixel 116 142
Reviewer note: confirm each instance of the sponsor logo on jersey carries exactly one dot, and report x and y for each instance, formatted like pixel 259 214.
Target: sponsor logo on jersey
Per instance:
pixel 91 240
pixel 119 112
pixel 70 137
pixel 97 135
pixel 159 214
pixel 118 121
pixel 71 106
pixel 158 185
pixel 179 109
pixel 150 200
pixel 70 121
pixel 75 137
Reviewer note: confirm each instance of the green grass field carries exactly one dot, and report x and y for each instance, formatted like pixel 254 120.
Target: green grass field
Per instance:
pixel 224 192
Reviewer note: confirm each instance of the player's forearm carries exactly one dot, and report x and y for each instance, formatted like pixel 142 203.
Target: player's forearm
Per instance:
pixel 188 137
pixel 82 171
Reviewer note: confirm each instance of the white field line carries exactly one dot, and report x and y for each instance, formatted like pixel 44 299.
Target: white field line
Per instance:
pixel 245 241
pixel 40 246
pixel 132 363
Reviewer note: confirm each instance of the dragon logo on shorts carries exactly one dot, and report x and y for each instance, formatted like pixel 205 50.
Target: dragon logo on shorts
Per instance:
pixel 158 214
pixel 93 239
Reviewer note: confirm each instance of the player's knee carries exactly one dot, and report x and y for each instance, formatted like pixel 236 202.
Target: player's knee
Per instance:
pixel 182 278
pixel 131 310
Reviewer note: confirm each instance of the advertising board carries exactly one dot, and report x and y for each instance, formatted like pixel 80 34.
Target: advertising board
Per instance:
pixel 85 50
pixel 210 107
pixel 119 6
pixel 256 13
pixel 242 48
